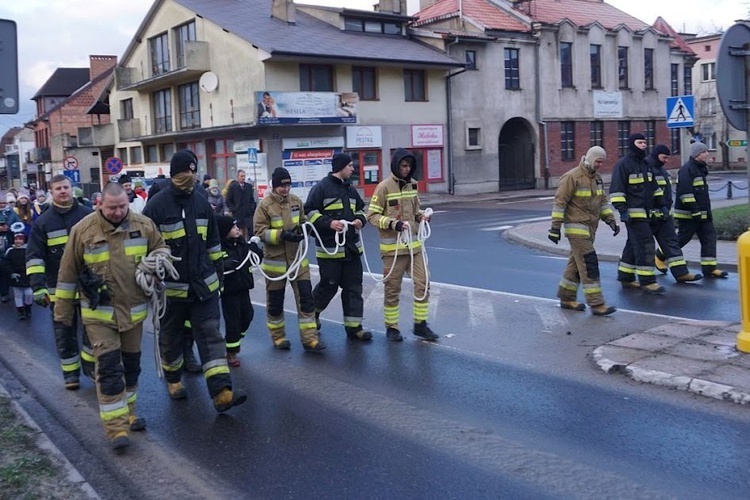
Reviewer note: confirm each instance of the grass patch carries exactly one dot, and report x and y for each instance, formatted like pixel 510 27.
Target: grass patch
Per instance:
pixel 732 221
pixel 26 471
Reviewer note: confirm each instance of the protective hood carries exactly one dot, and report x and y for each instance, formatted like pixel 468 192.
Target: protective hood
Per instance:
pixel 396 158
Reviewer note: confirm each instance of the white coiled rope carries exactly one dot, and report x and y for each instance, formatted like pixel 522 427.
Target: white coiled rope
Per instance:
pixel 149 274
pixel 403 238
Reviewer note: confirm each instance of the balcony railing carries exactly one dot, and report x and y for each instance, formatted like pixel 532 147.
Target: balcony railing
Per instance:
pixel 129 129
pixel 97 135
pixel 197 62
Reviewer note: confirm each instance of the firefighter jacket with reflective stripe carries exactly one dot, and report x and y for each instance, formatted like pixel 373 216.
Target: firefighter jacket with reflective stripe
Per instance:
pixel 580 202
pixel 662 179
pixel 395 200
pixel 189 228
pixel 692 191
pixel 49 234
pixel 334 199
pixel 112 253
pixel 634 188
pixel 274 215
pixel 239 278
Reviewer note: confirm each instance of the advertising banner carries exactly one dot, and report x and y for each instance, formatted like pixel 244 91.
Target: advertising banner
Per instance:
pixel 306 108
pixel 607 104
pixel 307 167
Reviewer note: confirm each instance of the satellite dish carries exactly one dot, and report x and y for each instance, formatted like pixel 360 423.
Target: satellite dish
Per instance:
pixel 209 81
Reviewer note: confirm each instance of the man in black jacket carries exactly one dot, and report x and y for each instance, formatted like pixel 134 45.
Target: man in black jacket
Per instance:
pixel 693 209
pixel 49 234
pixel 636 196
pixel 330 202
pixel 188 226
pixel 241 202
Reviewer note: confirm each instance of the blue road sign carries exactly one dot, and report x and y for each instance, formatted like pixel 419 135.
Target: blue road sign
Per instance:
pixel 113 165
pixel 681 111
pixel 73 175
pixel 252 155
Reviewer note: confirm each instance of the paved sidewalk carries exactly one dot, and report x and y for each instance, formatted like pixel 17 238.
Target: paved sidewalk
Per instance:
pixel 695 356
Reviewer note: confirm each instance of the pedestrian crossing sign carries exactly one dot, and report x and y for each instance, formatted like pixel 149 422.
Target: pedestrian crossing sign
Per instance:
pixel 680 111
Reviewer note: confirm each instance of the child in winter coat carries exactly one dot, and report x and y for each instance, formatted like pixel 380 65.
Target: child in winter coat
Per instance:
pixel 238 280
pixel 15 257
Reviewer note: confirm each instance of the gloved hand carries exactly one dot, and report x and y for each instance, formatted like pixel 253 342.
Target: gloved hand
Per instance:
pixel 253 247
pixel 94 288
pixel 665 212
pixel 292 236
pixel 624 217
pixel 554 235
pixel 399 226
pixel 615 228
pixel 41 297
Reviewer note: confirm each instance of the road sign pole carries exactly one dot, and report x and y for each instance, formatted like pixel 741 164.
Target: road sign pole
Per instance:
pixel 743 242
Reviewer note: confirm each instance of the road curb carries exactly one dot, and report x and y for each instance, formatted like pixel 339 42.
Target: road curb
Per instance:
pixel 618 358
pixel 44 443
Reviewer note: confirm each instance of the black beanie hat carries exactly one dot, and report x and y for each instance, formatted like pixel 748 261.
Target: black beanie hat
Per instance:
pixel 280 174
pixel 340 160
pixel 124 178
pixel 182 160
pixel 660 149
pixel 225 224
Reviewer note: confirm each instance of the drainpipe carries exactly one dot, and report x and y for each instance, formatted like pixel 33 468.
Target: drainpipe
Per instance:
pixel 539 121
pixel 449 131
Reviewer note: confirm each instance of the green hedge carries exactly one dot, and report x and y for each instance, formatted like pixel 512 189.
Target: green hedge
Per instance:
pixel 731 222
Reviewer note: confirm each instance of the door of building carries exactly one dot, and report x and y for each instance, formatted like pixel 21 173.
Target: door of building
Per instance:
pixel 366 174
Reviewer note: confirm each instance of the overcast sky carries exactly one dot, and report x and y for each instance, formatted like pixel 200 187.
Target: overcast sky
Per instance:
pixel 63 33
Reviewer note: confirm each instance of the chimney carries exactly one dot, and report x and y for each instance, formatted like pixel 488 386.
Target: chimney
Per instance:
pixel 283 10
pixel 100 64
pixel 393 6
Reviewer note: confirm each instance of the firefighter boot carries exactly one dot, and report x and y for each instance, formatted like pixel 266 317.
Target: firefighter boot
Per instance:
pixel 317 320
pixel 71 381
pixel 27 308
pixel 572 305
pixel 176 390
pixel 718 273
pixel 660 265
pixel 357 333
pixel 688 277
pixel 602 310
pixel 120 441
pixel 393 334
pixel 191 364
pixel 653 289
pixel 137 423
pixel 630 285
pixel 314 346
pixel 227 399
pixel 422 330
pixel 21 312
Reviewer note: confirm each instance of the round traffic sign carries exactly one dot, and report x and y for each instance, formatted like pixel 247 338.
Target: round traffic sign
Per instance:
pixel 730 74
pixel 113 165
pixel 70 163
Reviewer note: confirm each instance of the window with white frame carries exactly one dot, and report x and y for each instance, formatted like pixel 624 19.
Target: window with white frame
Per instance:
pixel 708 72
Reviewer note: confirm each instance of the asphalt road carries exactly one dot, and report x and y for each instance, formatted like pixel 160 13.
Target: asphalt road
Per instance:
pixel 511 407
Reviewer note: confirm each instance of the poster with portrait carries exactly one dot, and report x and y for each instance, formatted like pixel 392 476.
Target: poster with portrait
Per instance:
pixel 306 108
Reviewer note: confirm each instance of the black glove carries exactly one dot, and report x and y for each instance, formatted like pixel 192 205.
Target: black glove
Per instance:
pixel 253 247
pixel 665 212
pixel 94 288
pixel 292 236
pixel 615 228
pixel 554 235
pixel 624 217
pixel 399 226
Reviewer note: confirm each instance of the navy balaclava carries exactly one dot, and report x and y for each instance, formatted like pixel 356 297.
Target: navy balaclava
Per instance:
pixel 631 144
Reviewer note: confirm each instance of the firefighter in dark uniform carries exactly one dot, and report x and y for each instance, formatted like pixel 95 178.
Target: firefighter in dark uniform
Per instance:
pixel 277 223
pixel 100 261
pixel 635 195
pixel 329 202
pixel 693 209
pixel 669 254
pixel 49 234
pixel 188 226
